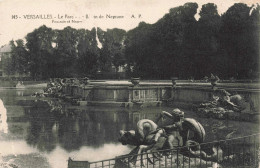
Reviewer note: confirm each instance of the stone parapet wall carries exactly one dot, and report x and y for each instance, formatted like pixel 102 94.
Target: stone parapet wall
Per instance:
pixel 185 95
pixel 118 93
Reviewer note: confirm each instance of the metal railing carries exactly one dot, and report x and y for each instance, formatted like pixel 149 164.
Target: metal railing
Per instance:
pixel 236 152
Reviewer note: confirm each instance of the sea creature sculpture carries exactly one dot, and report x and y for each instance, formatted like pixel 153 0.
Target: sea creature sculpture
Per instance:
pixel 224 105
pixel 143 137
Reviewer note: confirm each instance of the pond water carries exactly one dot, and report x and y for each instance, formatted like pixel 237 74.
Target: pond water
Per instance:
pixel 44 133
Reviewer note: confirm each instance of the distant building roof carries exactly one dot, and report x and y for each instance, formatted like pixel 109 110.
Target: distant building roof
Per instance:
pixel 5 49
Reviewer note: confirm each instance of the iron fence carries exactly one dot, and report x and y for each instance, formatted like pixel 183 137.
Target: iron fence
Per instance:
pixel 235 152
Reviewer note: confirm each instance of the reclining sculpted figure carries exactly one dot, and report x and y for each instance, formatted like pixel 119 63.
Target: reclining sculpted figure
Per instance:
pixel 225 105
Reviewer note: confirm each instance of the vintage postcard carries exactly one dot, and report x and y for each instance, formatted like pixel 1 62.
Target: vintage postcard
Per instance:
pixel 129 83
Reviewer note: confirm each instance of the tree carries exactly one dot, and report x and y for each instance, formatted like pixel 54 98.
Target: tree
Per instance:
pixel 10 62
pixel 209 58
pixel 66 52
pixel 88 52
pixel 22 57
pixel 112 51
pixel 254 53
pixel 236 39
pixel 136 49
pixel 165 48
pixel 18 62
pixel 117 47
pixel 39 44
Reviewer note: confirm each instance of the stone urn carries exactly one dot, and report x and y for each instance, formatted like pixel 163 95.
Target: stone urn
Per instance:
pixel 135 81
pixel 214 80
pixel 86 80
pixel 206 79
pixel 214 83
pixel 174 83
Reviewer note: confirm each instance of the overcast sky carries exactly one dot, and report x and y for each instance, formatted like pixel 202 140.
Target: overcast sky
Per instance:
pixel 148 11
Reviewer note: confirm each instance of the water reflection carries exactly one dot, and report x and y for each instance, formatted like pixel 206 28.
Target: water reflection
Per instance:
pixel 50 123
pixel 3 118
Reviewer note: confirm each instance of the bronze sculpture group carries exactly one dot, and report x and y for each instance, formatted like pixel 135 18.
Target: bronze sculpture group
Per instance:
pixel 183 132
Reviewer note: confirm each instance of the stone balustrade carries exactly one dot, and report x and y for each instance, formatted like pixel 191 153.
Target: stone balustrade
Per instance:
pixel 151 95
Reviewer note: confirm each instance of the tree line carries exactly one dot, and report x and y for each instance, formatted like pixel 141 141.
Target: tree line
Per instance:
pixel 176 45
pixel 50 53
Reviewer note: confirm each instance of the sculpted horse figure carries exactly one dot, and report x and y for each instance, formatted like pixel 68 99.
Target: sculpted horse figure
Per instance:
pixel 191 133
